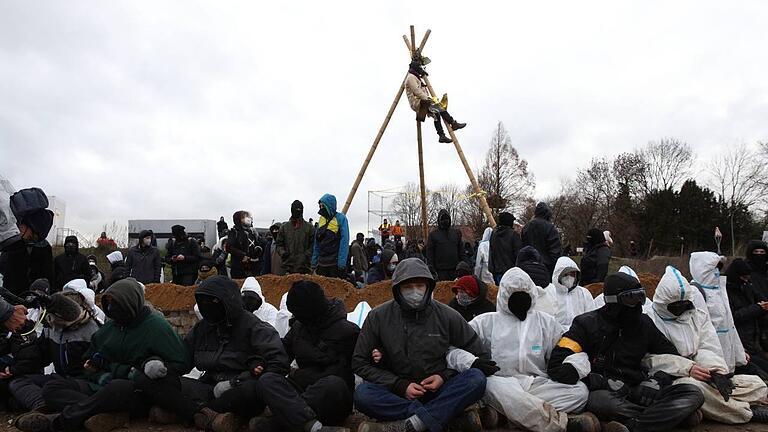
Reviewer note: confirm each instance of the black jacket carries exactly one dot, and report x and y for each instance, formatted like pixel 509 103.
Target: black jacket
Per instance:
pixel 119 272
pixel 21 265
pixel 444 246
pixel 191 251
pixel 613 352
pixel 65 349
pixel 480 306
pixel 504 246
pixel 541 234
pixel 241 343
pixel 594 264
pixel 143 262
pixel 747 314
pixel 323 349
pixel 243 242
pixel 68 267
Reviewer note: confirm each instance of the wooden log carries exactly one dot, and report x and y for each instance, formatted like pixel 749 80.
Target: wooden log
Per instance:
pixel 424 40
pixel 413 38
pixel 422 185
pixel 408 44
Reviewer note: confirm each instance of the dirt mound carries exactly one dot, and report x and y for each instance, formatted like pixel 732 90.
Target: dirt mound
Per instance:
pixel 648 280
pixel 380 292
pixel 170 297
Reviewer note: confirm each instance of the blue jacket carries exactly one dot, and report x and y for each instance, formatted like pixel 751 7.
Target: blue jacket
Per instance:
pixel 331 237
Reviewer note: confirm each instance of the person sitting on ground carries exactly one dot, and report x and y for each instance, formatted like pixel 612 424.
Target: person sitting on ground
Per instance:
pixel 136 343
pixel 522 340
pixel 383 268
pixel 205 269
pixel 728 398
pixel 70 265
pixel 463 269
pixel 568 297
pixel 749 307
pixel 329 255
pixel 255 303
pixel 423 104
pixel 118 270
pixel 529 261
pixel 413 388
pixel 79 285
pixel 471 297
pixel 597 255
pixel 143 260
pixel 97 281
pixel 616 338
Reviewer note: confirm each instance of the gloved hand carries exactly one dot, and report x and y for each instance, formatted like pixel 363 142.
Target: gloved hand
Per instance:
pixel 595 381
pixel 487 367
pixel 664 379
pixel 155 369
pixel 722 383
pixel 645 393
pixel 221 387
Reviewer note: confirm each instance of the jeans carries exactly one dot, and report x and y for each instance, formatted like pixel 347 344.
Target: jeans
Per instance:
pixel 434 409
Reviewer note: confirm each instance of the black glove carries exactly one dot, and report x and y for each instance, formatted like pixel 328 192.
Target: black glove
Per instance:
pixel 722 383
pixel 645 393
pixel 664 379
pixel 595 381
pixel 487 367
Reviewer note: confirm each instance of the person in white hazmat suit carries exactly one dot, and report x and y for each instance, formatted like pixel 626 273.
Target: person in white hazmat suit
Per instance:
pixel 521 339
pixel 283 319
pixel 255 303
pixel 483 254
pixel 712 297
pixel 567 297
pixel 727 398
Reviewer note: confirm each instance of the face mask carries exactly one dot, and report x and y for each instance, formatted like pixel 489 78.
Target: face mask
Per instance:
pixel 568 282
pixel 414 295
pixel 759 260
pixel 323 212
pixel 251 301
pixel 444 223
pixel 629 317
pixel 147 241
pixel 70 249
pixel 463 299
pixel 92 263
pixel 116 313
pixel 519 303
pixel 391 268
pixel 211 309
pixel 205 274
pixel 246 221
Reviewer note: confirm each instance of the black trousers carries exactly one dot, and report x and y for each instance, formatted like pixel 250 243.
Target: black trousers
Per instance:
pixel 330 398
pixel 185 279
pixel 672 405
pixel 77 401
pixel 28 390
pixel 438 125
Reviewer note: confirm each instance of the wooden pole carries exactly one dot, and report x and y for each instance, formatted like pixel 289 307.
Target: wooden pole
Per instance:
pixel 422 186
pixel 408 44
pixel 375 144
pixel 424 40
pixel 413 38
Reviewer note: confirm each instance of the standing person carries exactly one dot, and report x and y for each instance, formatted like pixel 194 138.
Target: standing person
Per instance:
pixel 411 385
pixel 384 230
pixel 70 265
pixel 471 297
pixel 483 254
pixel 616 338
pixel 422 103
pixel 757 257
pixel 220 256
pixel 245 246
pixel 597 256
pixel 294 241
pixel 359 257
pixel 541 233
pixel 272 263
pixel 749 307
pixel 329 255
pixel 397 231
pixel 143 260
pixel 222 227
pixel 444 248
pixel 183 255
pixel 505 244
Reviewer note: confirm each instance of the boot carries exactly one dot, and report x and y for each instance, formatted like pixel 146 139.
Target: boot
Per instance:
pixel 468 421
pixel 33 422
pixel 586 422
pixel 444 139
pixel 613 426
pixel 396 426
pixel 161 416
pixel 759 414
pixel 106 422
pixel 263 424
pixel 692 420
pixel 489 417
pixel 441 132
pixel 451 121
pixel 211 421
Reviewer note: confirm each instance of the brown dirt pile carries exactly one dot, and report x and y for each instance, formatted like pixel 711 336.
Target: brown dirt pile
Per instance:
pixel 648 280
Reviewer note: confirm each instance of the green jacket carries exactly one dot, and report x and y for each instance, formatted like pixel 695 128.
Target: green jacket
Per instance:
pixel 294 245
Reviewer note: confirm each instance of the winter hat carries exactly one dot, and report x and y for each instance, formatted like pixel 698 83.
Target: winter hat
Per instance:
pixel 528 254
pixel 506 219
pixel 71 239
pixel 115 257
pixel 306 300
pixel 738 268
pixel 468 284
pixel 40 221
pixel 463 269
pixel 297 207
pixel 177 230
pixel 41 285
pixel 619 282
pixel 595 237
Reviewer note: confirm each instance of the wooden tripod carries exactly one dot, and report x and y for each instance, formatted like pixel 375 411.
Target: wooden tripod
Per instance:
pixel 475 186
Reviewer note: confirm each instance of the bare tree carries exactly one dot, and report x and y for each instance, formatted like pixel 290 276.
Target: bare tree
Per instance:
pixel 450 197
pixel 407 205
pixel 667 163
pixel 117 232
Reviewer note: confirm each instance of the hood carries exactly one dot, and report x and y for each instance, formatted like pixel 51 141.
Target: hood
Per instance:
pixel 443 215
pixel 142 234
pixel 672 287
pixel 408 269
pixel 739 267
pixel 514 280
pixel 542 211
pixel 595 237
pixel 329 201
pixel 129 294
pixel 115 257
pixel 238 216
pixel 704 269
pixel 564 265
pixel 71 239
pixel 755 244
pixel 628 271
pixel 307 301
pixel 80 286
pixel 487 234
pixel 528 254
pixel 284 302
pixel 252 285
pixel 506 219
pixel 224 289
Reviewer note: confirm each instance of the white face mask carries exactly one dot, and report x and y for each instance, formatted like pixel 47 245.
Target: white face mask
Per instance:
pixel 413 295
pixel 247 221
pixel 568 281
pixel 147 241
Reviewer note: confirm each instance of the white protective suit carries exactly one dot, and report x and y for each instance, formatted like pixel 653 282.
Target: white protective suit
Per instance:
pixel 359 314
pixel 568 302
pixel 80 286
pixel 283 319
pixel 521 390
pixel 483 255
pixel 694 337
pixel 706 277
pixel 266 312
pixel 600 301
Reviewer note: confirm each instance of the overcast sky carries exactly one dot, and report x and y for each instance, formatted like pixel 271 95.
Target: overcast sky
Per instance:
pixel 194 110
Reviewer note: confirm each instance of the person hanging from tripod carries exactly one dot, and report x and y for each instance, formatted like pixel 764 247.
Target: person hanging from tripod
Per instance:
pixel 424 104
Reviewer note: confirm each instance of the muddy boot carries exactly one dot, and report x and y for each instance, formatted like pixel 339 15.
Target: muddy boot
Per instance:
pixel 211 421
pixel 161 416
pixel 396 426
pixel 468 421
pixel 586 422
pixel 106 422
pixel 613 426
pixel 34 422
pixel 263 424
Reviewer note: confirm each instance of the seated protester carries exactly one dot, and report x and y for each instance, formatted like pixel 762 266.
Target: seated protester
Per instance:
pixel 471 297
pixel 529 261
pixel 616 338
pixel 79 285
pixel 599 301
pixel 522 339
pixel 463 269
pixel 64 341
pixel 383 266
pixel 205 269
pixel 569 299
pixel 321 341
pixel 96 279
pixel 255 303
pixel 727 398
pixel 136 342
pixel 119 270
pixel 244 367
pixel 710 296
pixel 748 308
pixel 16 350
pixel 413 388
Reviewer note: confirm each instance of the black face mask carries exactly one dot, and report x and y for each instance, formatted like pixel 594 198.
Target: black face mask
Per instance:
pixel 251 301
pixel 211 309
pixel 116 312
pixel 519 303
pixel 679 307
pixel 444 223
pixel 297 212
pixel 70 249
pixel 626 317
pixel 758 261
pixel 324 212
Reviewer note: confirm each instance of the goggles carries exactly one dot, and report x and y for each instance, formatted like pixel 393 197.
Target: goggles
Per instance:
pixel 679 307
pixel 629 298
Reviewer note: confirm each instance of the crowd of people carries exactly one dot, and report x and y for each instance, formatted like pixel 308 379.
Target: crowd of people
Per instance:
pixel 545 357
